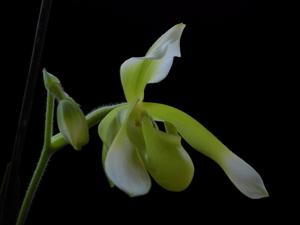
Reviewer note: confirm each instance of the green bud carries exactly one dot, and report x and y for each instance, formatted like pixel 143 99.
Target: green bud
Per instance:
pixel 53 85
pixel 72 123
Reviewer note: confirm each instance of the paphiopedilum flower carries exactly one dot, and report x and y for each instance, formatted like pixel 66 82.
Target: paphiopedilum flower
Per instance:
pixel 135 148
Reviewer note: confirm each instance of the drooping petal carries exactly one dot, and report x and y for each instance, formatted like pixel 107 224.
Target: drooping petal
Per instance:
pixel 167 161
pixel 190 129
pixel 136 72
pixel 124 167
pixel 243 176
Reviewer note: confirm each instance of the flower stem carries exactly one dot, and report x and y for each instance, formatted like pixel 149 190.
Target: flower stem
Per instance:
pixel 33 186
pixel 51 145
pixel 42 163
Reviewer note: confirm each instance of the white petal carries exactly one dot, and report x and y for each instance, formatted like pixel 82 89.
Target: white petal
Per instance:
pixel 164 49
pixel 243 176
pixel 124 167
pixel 162 70
pixel 171 38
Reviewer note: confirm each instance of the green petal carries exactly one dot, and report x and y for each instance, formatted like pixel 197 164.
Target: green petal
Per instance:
pixel 243 176
pixel 190 129
pixel 124 167
pixel 167 161
pixel 136 72
pixel 110 125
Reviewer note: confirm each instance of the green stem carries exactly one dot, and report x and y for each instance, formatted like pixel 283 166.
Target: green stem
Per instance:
pixel 51 145
pixel 33 186
pixel 42 163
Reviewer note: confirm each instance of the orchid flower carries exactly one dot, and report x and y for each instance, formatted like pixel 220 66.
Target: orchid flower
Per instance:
pixel 135 148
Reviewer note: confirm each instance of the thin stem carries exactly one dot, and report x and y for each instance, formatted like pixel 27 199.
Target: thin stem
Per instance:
pixel 95 116
pixel 33 186
pixel 49 122
pixel 42 163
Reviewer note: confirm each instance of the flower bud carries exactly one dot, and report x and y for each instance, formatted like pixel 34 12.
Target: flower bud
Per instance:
pixel 72 123
pixel 53 85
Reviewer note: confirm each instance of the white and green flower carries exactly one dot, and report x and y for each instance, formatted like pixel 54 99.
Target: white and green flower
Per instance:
pixel 135 148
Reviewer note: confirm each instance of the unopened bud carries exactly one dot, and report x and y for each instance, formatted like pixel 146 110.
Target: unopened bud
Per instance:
pixel 53 85
pixel 72 123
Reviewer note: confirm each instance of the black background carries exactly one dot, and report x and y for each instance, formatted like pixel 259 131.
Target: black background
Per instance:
pixel 225 79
